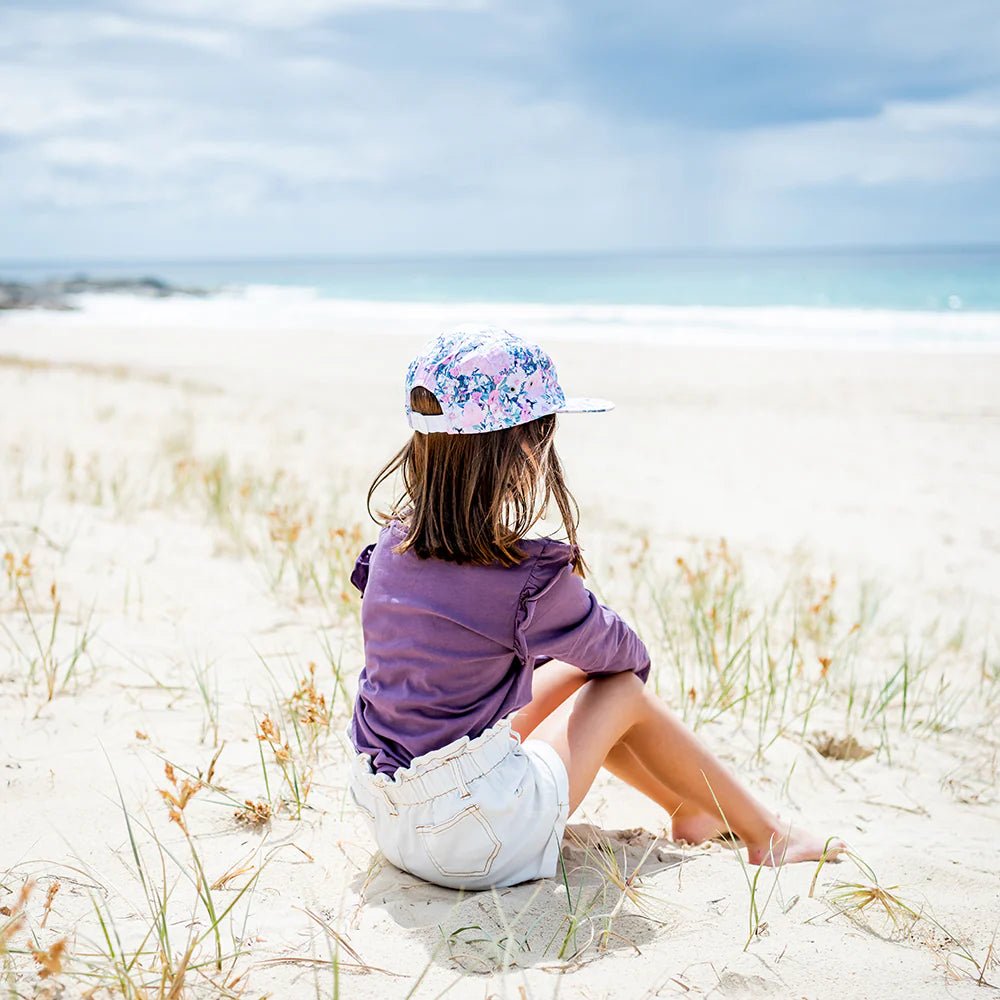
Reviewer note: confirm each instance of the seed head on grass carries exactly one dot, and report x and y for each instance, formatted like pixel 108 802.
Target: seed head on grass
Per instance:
pixel 297 778
pixel 271 735
pixel 307 703
pixel 18 570
pixel 49 960
pixel 14 916
pixel 309 715
pixel 254 814
pixel 50 896
pixel 283 527
pixel 179 796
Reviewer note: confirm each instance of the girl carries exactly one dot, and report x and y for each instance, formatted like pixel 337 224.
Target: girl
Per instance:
pixel 477 637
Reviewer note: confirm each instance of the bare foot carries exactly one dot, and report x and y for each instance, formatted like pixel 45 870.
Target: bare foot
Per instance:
pixel 789 844
pixel 697 827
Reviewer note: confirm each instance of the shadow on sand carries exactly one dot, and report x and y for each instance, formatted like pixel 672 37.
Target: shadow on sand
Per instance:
pixel 597 904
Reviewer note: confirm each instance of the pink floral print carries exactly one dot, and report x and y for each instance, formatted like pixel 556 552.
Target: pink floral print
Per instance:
pixel 486 380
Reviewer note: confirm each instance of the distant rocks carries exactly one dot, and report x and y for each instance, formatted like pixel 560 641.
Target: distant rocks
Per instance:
pixel 57 293
pixel 18 295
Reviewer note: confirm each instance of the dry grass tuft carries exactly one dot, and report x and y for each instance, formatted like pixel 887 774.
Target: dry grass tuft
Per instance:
pixel 296 777
pixel 254 814
pixel 38 637
pixel 853 899
pixel 608 887
pixel 884 910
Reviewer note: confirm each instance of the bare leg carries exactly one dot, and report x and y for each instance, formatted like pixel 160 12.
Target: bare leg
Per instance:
pixel 687 823
pixel 556 683
pixel 583 732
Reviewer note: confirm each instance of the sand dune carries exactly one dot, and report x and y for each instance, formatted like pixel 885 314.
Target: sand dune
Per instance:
pixel 180 507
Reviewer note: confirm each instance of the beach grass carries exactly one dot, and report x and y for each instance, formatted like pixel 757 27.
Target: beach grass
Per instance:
pixel 798 676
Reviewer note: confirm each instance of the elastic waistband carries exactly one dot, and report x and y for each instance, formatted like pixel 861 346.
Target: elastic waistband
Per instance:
pixel 443 771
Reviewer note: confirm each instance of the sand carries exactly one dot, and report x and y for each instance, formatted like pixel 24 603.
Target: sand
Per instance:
pixel 141 451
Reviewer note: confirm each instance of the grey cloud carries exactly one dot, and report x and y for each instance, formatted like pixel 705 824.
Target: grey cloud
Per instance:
pixel 496 126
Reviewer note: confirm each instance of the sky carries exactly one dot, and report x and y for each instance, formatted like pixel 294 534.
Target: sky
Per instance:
pixel 152 129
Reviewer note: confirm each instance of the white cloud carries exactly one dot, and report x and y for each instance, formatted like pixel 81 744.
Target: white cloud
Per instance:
pixel 291 13
pixel 199 111
pixel 56 105
pixel 25 32
pixel 117 27
pixel 925 142
pixel 971 114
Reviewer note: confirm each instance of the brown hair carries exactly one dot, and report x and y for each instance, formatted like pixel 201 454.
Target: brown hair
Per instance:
pixel 470 498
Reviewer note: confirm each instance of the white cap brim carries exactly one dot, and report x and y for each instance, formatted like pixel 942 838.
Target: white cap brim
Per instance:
pixel 586 404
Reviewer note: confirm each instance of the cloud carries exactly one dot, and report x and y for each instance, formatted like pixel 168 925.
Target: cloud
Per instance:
pixel 30 33
pixel 741 64
pixel 384 126
pixel 46 106
pixel 292 13
pixel 907 141
pixel 115 27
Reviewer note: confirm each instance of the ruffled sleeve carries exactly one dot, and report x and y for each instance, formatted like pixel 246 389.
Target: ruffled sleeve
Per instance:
pixel 359 576
pixel 559 618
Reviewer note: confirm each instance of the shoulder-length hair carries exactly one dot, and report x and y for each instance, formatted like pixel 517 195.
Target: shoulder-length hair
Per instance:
pixel 471 498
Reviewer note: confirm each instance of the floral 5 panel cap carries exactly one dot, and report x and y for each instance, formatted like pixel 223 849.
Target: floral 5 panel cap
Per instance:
pixel 486 380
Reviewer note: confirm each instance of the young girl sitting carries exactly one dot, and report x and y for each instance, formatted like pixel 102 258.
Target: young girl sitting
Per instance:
pixel 477 637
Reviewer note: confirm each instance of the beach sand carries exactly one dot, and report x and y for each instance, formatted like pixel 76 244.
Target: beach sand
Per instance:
pixel 195 496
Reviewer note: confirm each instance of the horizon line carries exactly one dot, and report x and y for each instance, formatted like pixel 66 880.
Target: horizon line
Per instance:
pixel 678 252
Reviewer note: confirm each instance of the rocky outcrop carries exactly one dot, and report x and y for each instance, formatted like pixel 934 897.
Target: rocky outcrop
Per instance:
pixel 58 293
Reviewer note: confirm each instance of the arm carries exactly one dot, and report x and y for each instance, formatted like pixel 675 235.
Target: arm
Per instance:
pixel 560 619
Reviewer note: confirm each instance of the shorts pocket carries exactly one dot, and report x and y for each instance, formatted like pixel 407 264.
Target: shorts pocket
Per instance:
pixel 462 846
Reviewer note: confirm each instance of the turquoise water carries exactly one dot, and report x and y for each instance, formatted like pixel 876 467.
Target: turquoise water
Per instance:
pixel 965 279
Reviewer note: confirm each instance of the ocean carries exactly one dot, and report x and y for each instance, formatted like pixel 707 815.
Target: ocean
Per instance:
pixel 927 298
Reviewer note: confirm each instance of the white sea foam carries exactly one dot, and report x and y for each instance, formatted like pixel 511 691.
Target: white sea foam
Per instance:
pixel 285 308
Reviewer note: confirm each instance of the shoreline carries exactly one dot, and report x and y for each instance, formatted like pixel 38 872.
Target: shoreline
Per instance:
pixel 301 309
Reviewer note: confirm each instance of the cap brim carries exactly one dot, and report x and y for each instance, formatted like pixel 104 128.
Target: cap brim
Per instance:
pixel 586 404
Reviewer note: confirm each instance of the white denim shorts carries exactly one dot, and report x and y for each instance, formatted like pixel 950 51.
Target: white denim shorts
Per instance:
pixel 477 813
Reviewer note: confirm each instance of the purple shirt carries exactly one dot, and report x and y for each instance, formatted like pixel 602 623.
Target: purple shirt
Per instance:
pixel 450 649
